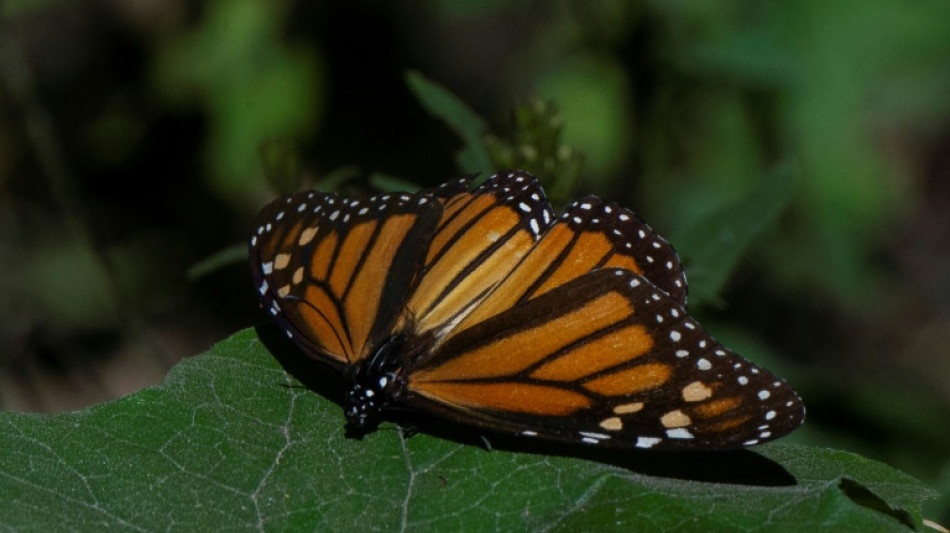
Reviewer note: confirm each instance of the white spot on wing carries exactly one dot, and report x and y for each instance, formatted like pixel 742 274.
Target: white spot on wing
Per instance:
pixel 679 433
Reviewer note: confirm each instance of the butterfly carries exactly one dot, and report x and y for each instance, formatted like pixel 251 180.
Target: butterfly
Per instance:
pixel 480 306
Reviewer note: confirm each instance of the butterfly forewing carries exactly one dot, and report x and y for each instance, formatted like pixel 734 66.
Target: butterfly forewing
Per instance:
pixel 481 237
pixel 449 189
pixel 335 272
pixel 605 358
pixel 591 234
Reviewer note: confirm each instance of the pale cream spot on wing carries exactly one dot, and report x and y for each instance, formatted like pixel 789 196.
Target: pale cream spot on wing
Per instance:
pixel 628 408
pixel 281 261
pixel 696 391
pixel 612 424
pixel 675 419
pixel 306 236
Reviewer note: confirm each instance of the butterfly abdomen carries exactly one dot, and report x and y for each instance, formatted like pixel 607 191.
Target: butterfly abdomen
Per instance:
pixel 376 383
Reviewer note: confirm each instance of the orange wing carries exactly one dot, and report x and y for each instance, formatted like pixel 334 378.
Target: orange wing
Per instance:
pixel 591 234
pixel 604 358
pixel 335 272
pixel 482 236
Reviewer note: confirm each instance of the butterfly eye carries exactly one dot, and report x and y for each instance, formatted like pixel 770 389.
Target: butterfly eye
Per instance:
pixel 483 307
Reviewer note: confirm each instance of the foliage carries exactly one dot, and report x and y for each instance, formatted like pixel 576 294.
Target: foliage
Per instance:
pixel 231 440
pixel 255 87
pixel 794 153
pixel 441 103
pixel 536 145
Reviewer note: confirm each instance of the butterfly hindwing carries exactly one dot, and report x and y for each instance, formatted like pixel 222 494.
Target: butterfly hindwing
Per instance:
pixel 606 358
pixel 335 272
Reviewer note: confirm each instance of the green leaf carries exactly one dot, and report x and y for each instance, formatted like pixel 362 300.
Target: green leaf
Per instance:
pixel 712 245
pixel 253 85
pixel 232 441
pixel 535 145
pixel 388 183
pixel 596 101
pixel 444 105
pixel 281 164
pixel 236 253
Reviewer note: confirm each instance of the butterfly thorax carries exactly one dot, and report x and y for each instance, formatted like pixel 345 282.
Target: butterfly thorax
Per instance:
pixel 376 384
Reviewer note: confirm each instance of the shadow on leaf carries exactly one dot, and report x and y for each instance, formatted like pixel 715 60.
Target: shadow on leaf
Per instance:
pixel 861 495
pixel 740 467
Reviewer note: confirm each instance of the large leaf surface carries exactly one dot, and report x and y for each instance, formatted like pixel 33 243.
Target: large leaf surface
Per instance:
pixel 232 441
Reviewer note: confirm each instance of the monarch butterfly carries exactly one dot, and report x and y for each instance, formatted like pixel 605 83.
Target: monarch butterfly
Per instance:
pixel 479 307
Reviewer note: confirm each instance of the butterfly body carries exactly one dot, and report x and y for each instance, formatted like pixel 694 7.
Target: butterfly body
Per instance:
pixel 376 384
pixel 480 307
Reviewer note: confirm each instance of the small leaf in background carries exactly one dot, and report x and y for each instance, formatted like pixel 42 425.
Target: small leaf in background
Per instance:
pixel 712 245
pixel 225 257
pixel 595 98
pixel 387 183
pixel 253 84
pixel 442 104
pixel 336 179
pixel 280 161
pixel 536 146
pixel 232 441
pixel 71 285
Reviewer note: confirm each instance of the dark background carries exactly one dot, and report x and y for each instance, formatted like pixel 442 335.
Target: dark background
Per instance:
pixel 131 134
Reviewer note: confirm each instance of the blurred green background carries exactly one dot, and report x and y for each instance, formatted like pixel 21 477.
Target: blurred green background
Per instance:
pixel 797 154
